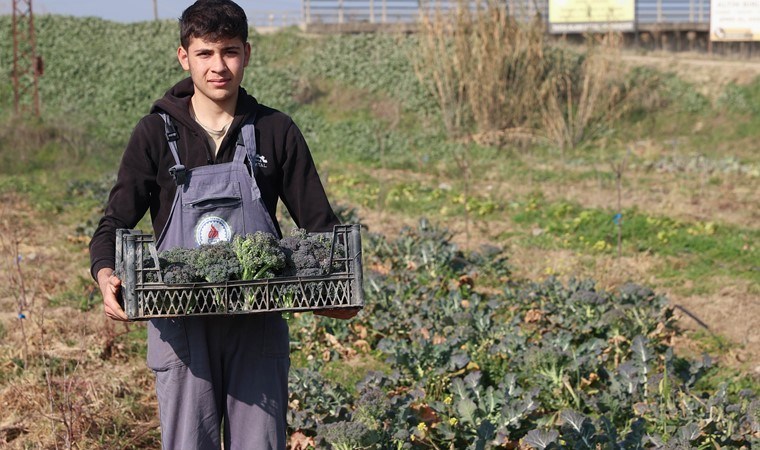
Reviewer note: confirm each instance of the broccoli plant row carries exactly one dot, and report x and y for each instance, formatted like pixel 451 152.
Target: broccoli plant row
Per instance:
pixel 452 351
pixel 253 256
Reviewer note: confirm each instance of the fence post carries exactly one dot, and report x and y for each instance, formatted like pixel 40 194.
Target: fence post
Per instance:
pixel 701 10
pixel 340 11
pixel 371 11
pixel 385 11
pixel 659 12
pixel 691 11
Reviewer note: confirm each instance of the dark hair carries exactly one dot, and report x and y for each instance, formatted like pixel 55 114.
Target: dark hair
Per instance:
pixel 213 20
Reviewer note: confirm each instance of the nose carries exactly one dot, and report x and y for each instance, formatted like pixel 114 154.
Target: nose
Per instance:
pixel 218 64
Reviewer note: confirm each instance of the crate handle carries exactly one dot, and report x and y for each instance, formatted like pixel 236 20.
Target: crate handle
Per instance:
pixel 154 255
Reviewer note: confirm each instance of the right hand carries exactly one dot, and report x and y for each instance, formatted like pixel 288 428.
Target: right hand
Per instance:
pixel 110 287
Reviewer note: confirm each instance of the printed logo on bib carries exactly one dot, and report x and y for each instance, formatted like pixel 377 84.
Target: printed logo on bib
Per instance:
pixel 212 229
pixel 261 161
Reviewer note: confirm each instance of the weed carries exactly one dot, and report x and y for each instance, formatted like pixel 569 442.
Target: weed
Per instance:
pixel 335 371
pixel 581 99
pixel 481 66
pixel 705 249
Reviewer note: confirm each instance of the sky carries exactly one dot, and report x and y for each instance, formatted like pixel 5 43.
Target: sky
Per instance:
pixel 258 11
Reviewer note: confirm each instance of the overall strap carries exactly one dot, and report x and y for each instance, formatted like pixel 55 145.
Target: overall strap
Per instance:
pixel 177 171
pixel 246 143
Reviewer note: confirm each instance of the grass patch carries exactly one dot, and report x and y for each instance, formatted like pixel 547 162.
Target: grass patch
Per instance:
pixel 348 373
pixel 706 249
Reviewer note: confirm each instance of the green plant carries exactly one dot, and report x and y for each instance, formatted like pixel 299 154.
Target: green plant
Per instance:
pixel 259 254
pixel 307 255
pixel 581 98
pixel 482 66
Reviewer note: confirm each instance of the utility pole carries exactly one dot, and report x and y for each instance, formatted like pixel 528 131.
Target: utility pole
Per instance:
pixel 27 65
pixel 155 10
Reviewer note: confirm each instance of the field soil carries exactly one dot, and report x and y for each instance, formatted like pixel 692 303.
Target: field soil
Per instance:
pixel 728 310
pixel 733 310
pixel 709 73
pixel 44 273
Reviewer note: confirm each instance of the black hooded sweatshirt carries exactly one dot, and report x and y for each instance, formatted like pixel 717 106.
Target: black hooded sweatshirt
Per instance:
pixel 286 169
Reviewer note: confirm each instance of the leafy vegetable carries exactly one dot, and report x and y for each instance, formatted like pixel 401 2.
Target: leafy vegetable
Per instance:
pixel 305 254
pixel 217 263
pixel 178 266
pixel 259 254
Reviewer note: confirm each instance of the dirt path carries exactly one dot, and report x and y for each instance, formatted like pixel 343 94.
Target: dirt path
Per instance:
pixel 709 74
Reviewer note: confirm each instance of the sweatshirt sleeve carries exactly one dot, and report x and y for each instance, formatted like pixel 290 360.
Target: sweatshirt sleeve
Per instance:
pixel 302 192
pixel 128 201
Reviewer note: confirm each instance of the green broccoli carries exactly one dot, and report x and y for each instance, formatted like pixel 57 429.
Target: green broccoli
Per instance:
pixel 307 255
pixel 178 266
pixel 259 254
pixel 178 273
pixel 217 263
pixel 345 435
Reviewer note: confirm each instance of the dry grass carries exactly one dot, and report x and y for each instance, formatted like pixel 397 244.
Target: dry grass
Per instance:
pixel 579 101
pixel 68 378
pixel 497 78
pixel 437 67
pixel 482 66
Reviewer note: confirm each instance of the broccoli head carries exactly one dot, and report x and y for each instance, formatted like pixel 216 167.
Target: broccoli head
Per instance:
pixel 306 255
pixel 217 263
pixel 345 435
pixel 177 266
pixel 177 255
pixel 178 273
pixel 259 254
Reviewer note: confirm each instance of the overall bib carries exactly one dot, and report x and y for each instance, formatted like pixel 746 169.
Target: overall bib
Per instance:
pixel 219 370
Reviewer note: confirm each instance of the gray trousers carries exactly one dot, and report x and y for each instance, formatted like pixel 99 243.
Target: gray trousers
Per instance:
pixel 218 370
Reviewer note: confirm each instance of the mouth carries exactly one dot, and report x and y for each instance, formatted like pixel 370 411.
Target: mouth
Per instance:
pixel 219 82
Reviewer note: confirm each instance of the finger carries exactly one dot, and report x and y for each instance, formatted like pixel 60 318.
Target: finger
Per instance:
pixel 112 307
pixel 115 313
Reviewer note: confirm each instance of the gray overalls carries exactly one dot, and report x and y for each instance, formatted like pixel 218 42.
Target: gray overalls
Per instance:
pixel 213 370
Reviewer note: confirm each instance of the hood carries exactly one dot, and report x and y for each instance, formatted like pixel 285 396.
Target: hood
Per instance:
pixel 176 101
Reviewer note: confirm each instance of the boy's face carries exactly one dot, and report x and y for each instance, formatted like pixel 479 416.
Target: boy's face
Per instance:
pixel 216 68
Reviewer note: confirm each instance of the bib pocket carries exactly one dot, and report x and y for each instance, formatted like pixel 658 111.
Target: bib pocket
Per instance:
pixel 212 196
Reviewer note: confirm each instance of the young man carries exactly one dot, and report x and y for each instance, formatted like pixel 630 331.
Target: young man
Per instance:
pixel 209 155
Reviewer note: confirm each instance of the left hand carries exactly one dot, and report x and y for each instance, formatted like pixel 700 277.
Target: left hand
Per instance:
pixel 342 313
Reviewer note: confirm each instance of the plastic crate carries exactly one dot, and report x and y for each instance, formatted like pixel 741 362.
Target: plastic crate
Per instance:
pixel 341 287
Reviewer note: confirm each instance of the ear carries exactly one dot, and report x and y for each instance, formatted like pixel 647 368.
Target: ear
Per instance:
pixel 183 58
pixel 247 52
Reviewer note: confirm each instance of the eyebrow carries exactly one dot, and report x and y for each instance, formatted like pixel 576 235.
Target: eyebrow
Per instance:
pixel 209 49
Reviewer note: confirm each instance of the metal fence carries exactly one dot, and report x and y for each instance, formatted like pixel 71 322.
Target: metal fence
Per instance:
pixel 668 14
pixel 673 12
pixel 370 11
pixel 399 11
pixel 275 18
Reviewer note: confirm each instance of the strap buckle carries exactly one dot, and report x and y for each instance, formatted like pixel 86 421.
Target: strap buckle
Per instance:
pixel 179 174
pixel 172 135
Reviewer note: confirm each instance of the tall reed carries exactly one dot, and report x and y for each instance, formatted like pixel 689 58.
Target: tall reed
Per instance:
pixel 580 99
pixel 493 72
pixel 481 64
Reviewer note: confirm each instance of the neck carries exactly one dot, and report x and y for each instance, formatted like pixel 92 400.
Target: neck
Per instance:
pixel 212 114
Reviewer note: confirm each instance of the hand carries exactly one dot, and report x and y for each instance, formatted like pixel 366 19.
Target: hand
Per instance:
pixel 110 287
pixel 342 313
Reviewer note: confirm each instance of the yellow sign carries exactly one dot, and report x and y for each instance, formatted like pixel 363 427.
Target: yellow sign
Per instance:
pixel 586 15
pixel 735 20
